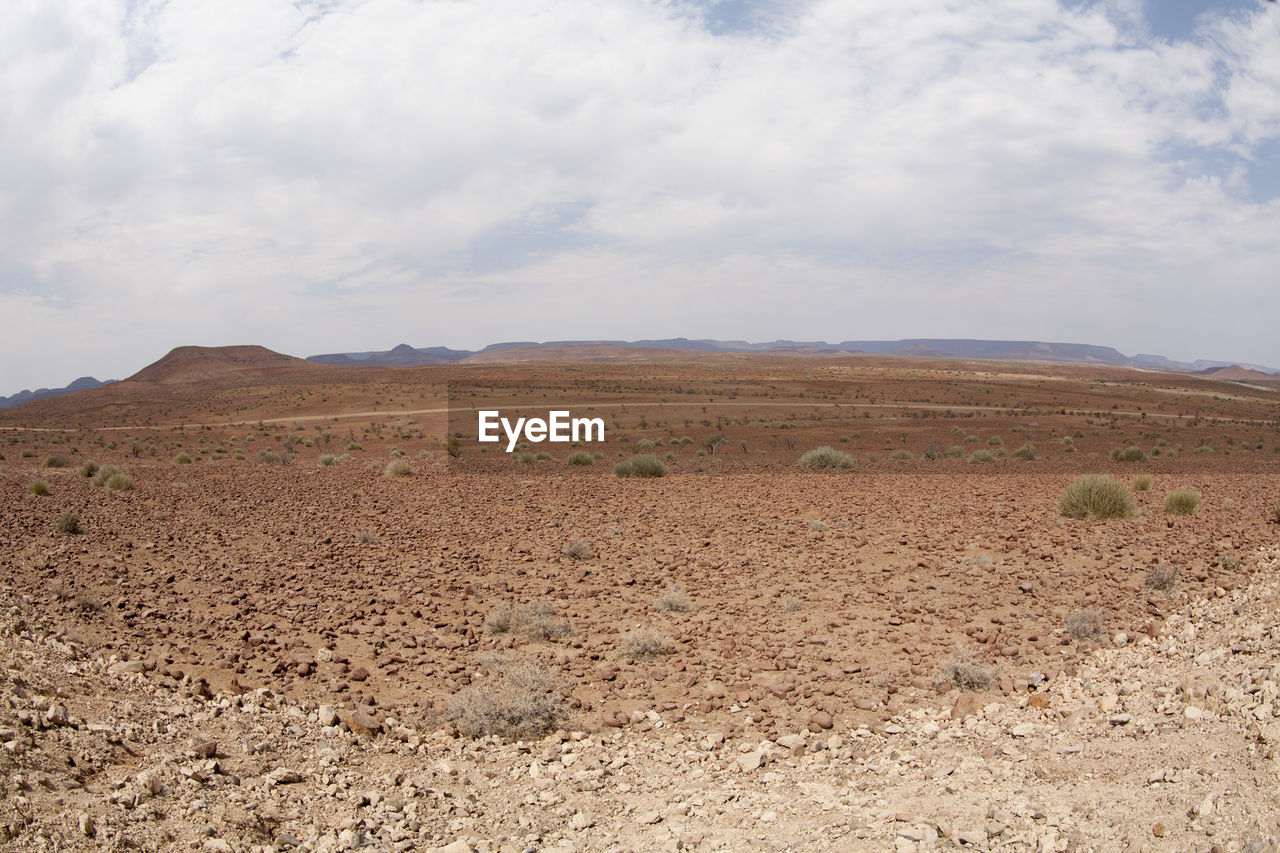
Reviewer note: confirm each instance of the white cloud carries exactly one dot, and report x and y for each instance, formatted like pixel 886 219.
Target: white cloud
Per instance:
pixel 320 176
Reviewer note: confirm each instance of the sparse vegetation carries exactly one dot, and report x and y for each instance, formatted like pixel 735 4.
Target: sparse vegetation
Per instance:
pixel 1026 451
pixel 579 457
pixel 964 669
pixel 519 699
pixel 1087 623
pixel 818 525
pixel 1161 577
pixel 641 465
pixel 981 457
pixel 182 459
pixel 353 446
pixel 38 488
pixel 578 549
pixel 55 461
pixel 1129 454
pixel 1141 482
pixel 646 643
pixel 398 468
pixel 88 469
pixel 673 599
pixel 902 455
pixel 525 458
pixel 535 621
pixel 1182 502
pixel 825 457
pixel 368 537
pixel 327 459
pixel 1097 496
pixel 68 523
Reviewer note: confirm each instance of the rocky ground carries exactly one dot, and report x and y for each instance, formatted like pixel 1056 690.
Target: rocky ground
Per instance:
pixel 1165 742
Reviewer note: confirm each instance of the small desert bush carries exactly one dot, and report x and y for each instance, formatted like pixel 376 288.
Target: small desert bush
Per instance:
pixel 525 458
pixel 819 526
pixel 266 457
pixel 89 468
pixel 844 439
pixel 1087 623
pixel 1182 502
pixel 54 461
pixel 995 441
pixel 578 549
pixel 579 457
pixel 1097 496
pixel 1141 482
pixel 544 457
pixel 38 488
pixel 536 621
pixel 641 465
pixel 963 669
pixel 826 457
pixel 120 482
pixel 1129 454
pixel 902 455
pixel 519 699
pixel 69 523
pixel 1203 449
pixel 981 457
pixel 673 599
pixel 955 451
pixel 1161 578
pixel 790 603
pixel 644 643
pixel 106 472
pixel 644 444
pixel 353 446
pixel 398 468
pixel 368 537
pixel 1026 451
pixel 182 459
pixel 27 454
pixel 327 459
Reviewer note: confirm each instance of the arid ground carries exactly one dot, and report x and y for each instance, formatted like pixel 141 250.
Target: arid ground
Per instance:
pixel 258 637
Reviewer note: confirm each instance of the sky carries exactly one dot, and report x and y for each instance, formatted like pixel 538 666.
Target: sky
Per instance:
pixel 342 175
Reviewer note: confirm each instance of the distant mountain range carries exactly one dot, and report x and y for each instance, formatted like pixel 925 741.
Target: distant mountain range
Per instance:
pixel 81 384
pixel 407 356
pixel 186 364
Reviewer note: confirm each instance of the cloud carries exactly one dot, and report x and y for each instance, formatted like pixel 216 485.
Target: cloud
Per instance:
pixel 316 176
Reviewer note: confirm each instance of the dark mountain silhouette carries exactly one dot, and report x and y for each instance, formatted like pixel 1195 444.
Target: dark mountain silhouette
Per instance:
pixel 81 384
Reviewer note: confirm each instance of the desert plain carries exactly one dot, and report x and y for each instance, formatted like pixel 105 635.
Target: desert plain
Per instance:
pixel 314 613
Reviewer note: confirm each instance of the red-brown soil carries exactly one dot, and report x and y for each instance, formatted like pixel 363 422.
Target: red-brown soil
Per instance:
pixel 816 596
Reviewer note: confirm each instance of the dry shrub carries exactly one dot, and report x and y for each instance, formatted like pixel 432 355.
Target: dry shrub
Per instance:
pixel 518 699
pixel 1161 578
pixel 69 523
pixel 641 465
pixel 54 461
pixel 673 600
pixel 1129 454
pixel 645 643
pixel 981 457
pixel 790 603
pixel 825 457
pixel 964 669
pixel 578 549
pixel 579 457
pixel 89 468
pixel 1087 623
pixel 535 621
pixel 398 468
pixel 1182 502
pixel 1097 496
pixel 39 488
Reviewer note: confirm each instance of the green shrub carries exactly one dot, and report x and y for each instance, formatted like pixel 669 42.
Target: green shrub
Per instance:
pixel 1129 454
pixel 182 459
pixel 119 482
pixel 995 441
pixel 902 455
pixel 89 468
pixel 1182 502
pixel 38 487
pixel 641 465
pixel 1097 496
pixel 644 444
pixel 826 457
pixel 27 454
pixel 844 439
pixel 1203 449
pixel 1141 482
pixel 1026 451
pixel 981 457
pixel 398 468
pixel 353 446
pixel 579 457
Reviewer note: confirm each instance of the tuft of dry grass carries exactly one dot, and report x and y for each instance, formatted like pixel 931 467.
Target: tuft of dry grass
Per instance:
pixel 964 669
pixel 1087 623
pixel 673 599
pixel 578 549
pixel 1097 496
pixel 1141 482
pixel 398 468
pixel 646 643
pixel 69 523
pixel 55 461
pixel 535 621
pixel 1182 502
pixel 1161 578
pixel 518 699
pixel 39 488
pixel 825 457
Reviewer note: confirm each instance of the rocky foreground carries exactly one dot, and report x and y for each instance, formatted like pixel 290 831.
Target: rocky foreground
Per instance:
pixel 1164 742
